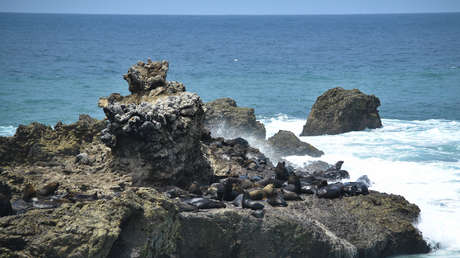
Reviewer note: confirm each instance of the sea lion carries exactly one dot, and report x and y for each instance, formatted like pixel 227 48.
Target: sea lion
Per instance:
pixel 5 197
pixel 205 203
pixel 269 190
pixel 281 172
pixel 48 189
pixel 355 188
pixel 5 206
pixel 28 192
pixel 330 191
pixel 194 188
pixel 277 200
pixel 290 196
pixel 248 203
pixel 238 202
pixel 257 194
pixel 308 189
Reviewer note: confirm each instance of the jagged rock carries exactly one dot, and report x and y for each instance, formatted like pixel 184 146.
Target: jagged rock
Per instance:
pixel 285 143
pixel 225 119
pixel 38 142
pixel 147 82
pixel 236 158
pixel 157 143
pixel 338 111
pixel 146 76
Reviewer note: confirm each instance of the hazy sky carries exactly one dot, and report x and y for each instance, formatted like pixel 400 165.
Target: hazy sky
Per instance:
pixel 229 6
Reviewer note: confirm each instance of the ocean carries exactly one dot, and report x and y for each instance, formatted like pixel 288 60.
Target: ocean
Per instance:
pixel 54 67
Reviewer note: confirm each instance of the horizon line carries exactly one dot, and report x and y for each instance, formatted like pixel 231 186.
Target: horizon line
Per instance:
pixel 248 14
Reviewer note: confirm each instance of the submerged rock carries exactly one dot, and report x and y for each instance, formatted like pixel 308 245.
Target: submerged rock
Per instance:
pixel 225 119
pixel 285 143
pixel 338 111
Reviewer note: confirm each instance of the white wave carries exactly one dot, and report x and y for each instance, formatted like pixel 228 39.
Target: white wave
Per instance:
pixel 7 130
pixel 417 159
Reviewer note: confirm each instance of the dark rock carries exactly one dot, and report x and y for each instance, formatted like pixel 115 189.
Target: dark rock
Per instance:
pixel 224 119
pixel 339 111
pixel 285 143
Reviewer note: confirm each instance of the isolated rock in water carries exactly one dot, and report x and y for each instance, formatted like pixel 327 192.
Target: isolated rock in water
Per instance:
pixel 39 142
pixel 157 142
pixel 225 119
pixel 339 111
pixel 286 143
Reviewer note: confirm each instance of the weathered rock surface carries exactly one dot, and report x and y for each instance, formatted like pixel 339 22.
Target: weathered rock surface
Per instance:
pixel 147 82
pixel 236 158
pixel 285 143
pixel 225 119
pixel 338 111
pixel 158 143
pixel 38 142
pixel 144 223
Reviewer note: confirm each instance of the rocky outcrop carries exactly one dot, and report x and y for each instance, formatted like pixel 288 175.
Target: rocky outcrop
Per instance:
pixel 147 82
pixel 285 143
pixel 159 142
pixel 144 223
pixel 154 183
pixel 225 119
pixel 39 142
pixel 338 111
pixel 234 158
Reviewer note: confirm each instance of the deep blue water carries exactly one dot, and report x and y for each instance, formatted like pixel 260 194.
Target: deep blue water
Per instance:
pixel 53 67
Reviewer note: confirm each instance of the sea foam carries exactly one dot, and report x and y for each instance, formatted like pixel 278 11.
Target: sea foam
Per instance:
pixel 419 160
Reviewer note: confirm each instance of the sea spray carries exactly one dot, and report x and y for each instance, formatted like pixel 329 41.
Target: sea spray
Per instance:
pixel 417 159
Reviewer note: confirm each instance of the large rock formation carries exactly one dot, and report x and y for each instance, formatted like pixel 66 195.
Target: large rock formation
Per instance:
pixel 159 142
pixel 85 200
pixel 225 119
pixel 285 143
pixel 338 111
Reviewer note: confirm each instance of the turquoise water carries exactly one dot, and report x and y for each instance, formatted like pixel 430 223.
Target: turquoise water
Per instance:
pixel 54 67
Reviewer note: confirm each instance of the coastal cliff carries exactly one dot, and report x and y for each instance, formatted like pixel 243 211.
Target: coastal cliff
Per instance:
pixel 151 180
